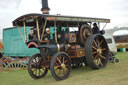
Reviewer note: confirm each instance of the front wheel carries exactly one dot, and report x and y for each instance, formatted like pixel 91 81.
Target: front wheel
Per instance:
pixel 36 67
pixel 60 66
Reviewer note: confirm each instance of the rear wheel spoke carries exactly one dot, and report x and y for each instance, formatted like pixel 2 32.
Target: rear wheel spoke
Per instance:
pixel 103 49
pixel 100 62
pixel 94 52
pixel 95 57
pixel 102 56
pixel 100 42
pixel 97 40
pixel 95 43
pixel 94 47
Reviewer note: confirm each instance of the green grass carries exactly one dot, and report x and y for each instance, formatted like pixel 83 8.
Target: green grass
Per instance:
pixel 113 74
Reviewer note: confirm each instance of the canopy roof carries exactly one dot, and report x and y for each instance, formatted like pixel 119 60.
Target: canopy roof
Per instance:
pixel 31 17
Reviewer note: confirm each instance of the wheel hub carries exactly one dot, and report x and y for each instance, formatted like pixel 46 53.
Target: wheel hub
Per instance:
pixel 99 50
pixel 63 65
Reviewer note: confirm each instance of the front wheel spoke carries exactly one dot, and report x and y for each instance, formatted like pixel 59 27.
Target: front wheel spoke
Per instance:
pixel 64 70
pixel 65 61
pixel 59 72
pixel 33 66
pixel 57 66
pixel 59 60
pixel 56 70
pixel 34 70
pixel 66 65
pixel 56 63
pixel 42 70
pixel 35 63
pixel 36 59
pixel 39 72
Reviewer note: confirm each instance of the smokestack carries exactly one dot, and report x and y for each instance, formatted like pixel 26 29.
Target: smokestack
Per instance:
pixel 45 9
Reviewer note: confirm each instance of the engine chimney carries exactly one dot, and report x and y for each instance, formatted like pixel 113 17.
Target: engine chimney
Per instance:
pixel 45 9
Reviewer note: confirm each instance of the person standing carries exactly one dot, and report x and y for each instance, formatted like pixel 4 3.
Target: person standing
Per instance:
pixel 95 29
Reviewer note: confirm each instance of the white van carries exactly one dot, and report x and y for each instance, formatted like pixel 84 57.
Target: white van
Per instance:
pixel 111 42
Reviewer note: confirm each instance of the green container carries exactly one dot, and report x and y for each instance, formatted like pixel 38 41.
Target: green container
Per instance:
pixel 14 44
pixel 121 49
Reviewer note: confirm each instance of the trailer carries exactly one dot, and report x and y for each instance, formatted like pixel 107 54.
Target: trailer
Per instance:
pixel 14 45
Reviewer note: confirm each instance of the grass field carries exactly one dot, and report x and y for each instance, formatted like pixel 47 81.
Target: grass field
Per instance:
pixel 113 74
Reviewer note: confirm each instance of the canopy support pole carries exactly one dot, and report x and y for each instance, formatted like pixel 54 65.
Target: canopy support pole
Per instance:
pixel 37 26
pixel 43 30
pixel 99 25
pixel 55 31
pixel 104 26
pixel 25 33
pixel 78 24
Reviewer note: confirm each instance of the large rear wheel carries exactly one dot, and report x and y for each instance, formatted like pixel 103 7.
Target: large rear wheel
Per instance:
pixel 96 51
pixel 60 66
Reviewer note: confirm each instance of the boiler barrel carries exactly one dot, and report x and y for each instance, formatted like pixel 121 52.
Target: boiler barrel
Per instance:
pixel 53 48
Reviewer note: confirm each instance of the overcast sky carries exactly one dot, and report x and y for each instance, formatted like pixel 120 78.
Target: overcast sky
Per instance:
pixel 116 10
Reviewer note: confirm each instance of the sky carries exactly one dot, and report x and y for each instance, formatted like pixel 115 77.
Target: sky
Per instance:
pixel 116 10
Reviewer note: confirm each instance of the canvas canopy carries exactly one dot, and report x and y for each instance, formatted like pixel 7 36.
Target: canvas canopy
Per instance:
pixel 29 19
